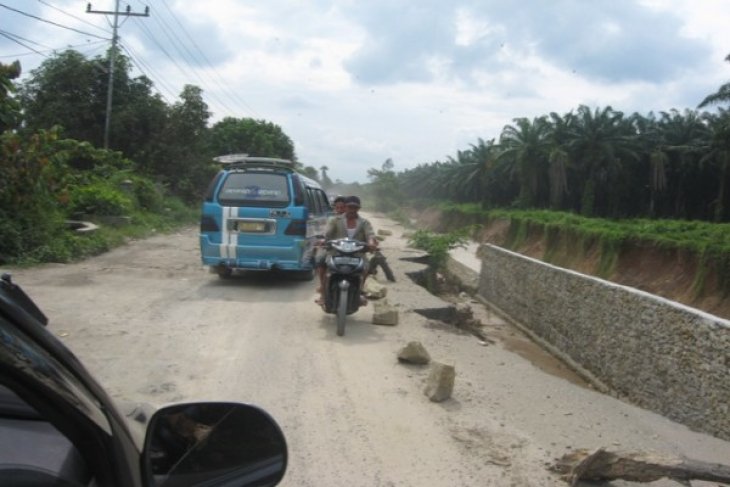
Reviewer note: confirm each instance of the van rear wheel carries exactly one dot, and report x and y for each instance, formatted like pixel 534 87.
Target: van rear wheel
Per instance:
pixel 224 272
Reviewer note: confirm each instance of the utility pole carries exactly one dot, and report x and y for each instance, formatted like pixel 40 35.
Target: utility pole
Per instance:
pixel 113 56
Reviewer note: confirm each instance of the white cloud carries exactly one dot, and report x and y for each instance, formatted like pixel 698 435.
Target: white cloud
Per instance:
pixel 354 83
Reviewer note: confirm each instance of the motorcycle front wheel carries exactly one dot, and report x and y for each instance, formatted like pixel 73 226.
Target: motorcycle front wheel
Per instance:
pixel 341 312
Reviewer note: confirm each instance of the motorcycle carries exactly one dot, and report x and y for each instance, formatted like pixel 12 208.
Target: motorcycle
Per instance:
pixel 345 272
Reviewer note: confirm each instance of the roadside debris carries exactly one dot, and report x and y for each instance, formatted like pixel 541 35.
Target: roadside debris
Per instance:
pixel 384 313
pixel 374 290
pixel 440 382
pixel 604 465
pixel 414 353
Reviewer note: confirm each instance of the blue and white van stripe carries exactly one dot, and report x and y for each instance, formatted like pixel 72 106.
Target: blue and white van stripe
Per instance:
pixel 229 240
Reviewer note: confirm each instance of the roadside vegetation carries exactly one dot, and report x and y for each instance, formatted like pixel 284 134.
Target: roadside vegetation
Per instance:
pixel 437 245
pixel 594 175
pixel 151 178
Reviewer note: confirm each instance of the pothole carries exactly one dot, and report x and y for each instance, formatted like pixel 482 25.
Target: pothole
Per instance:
pixel 458 317
pixel 418 277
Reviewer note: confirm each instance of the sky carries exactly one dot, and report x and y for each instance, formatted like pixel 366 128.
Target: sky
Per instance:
pixel 356 82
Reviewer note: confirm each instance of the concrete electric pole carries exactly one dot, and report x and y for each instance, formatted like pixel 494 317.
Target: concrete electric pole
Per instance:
pixel 113 55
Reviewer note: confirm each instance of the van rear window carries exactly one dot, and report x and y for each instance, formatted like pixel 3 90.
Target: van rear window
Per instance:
pixel 255 189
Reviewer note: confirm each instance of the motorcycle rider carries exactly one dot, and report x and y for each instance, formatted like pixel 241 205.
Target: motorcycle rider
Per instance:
pixel 351 225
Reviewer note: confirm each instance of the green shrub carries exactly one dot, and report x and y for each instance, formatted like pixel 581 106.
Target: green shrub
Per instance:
pixel 99 199
pixel 438 244
pixel 147 194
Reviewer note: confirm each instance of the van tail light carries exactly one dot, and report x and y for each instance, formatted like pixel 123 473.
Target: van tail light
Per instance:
pixel 297 227
pixel 208 224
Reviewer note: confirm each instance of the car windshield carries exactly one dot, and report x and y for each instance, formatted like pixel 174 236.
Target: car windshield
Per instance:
pixel 542 192
pixel 255 189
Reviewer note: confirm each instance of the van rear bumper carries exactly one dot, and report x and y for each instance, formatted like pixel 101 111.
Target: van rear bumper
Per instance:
pixel 251 257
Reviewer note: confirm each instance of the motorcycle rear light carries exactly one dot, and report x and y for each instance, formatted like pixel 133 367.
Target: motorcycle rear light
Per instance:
pixel 297 227
pixel 208 224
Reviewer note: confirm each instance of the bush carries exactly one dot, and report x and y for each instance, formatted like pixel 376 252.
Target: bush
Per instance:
pixel 143 191
pixel 147 194
pixel 438 244
pixel 99 199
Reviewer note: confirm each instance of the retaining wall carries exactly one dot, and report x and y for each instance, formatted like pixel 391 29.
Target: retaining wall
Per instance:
pixel 653 352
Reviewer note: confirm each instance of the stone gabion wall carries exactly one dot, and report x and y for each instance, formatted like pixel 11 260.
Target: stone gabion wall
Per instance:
pixel 651 351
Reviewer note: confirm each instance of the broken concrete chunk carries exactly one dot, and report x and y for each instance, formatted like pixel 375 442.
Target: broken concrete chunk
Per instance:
pixel 384 313
pixel 374 290
pixel 414 353
pixel 440 382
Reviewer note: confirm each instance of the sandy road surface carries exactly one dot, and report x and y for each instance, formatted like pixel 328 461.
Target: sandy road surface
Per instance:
pixel 154 326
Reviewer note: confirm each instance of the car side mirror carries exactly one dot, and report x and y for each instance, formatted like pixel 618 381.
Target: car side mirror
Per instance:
pixel 213 443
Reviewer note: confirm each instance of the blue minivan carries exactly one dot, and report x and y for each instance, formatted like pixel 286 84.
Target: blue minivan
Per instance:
pixel 260 214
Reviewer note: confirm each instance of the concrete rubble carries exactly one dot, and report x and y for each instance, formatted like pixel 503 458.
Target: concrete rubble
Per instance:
pixel 414 353
pixel 440 382
pixel 384 313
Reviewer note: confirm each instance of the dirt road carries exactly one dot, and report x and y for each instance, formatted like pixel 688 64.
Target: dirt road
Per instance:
pixel 153 326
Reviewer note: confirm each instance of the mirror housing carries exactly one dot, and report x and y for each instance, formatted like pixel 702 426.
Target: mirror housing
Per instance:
pixel 215 443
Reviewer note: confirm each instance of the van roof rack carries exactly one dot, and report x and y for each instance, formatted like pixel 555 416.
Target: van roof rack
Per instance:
pixel 243 160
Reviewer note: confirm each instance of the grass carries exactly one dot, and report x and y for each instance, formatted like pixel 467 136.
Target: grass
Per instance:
pixel 709 242
pixel 67 246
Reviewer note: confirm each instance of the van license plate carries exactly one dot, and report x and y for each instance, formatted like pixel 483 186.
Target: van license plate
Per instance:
pixel 251 227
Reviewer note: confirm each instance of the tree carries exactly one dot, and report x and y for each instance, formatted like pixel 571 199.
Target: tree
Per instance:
pixel 310 172
pixel 252 137
pixel 676 143
pixel 465 178
pixel 558 157
pixel 9 107
pixel 525 148
pixel 180 158
pixel 325 180
pixel 139 122
pixel 70 91
pixel 718 154
pixel 598 142
pixel 722 94
pixel 385 187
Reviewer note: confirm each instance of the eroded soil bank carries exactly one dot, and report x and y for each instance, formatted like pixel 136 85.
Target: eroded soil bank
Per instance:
pixel 667 273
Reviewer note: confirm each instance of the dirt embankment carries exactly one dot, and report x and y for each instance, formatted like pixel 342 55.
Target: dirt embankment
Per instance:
pixel 667 273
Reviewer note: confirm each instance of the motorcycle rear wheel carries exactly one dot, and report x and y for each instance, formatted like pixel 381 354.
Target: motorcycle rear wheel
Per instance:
pixel 341 312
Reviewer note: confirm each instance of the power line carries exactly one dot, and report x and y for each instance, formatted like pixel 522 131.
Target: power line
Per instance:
pixel 24 45
pixel 74 17
pixel 213 76
pixel 218 81
pixel 16 36
pixel 150 36
pixel 53 23
pixel 50 49
pixel 175 42
pixel 140 64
